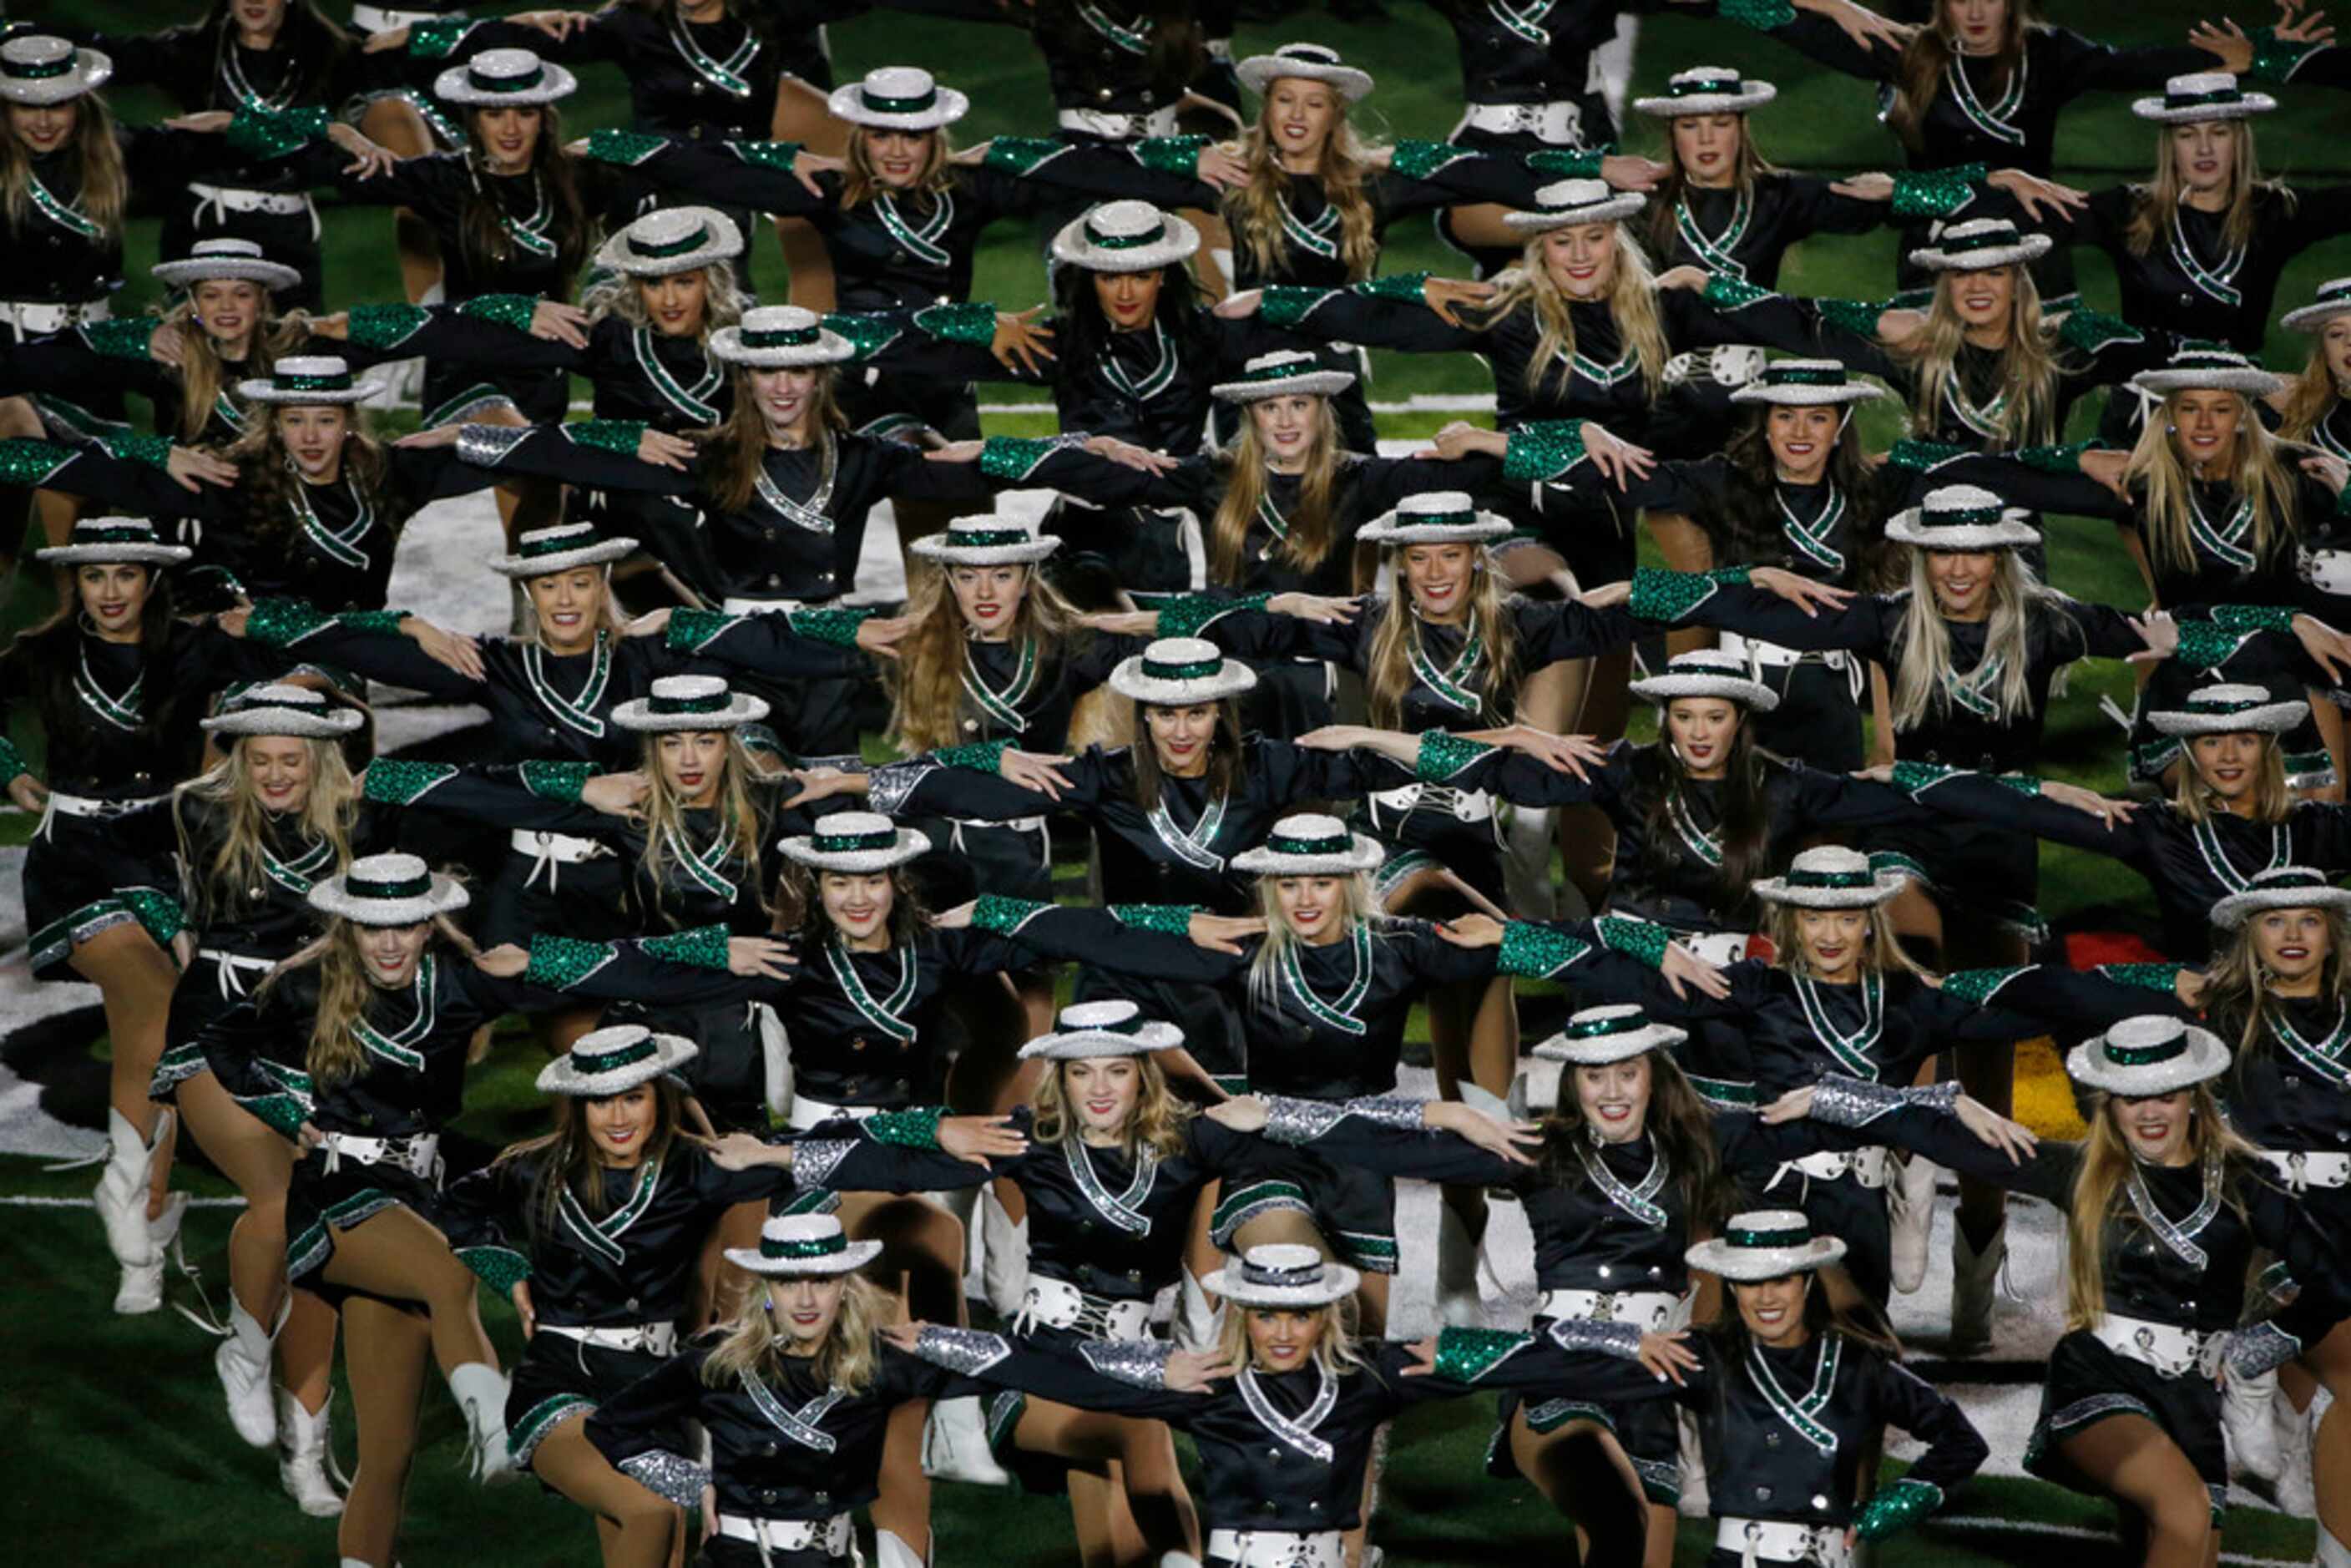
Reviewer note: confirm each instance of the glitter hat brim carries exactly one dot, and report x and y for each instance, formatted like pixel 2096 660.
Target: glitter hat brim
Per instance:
pixel 1077 1044
pixel 447 895
pixel 1776 890
pixel 1907 528
pixel 1795 394
pixel 1305 383
pixel 1338 1282
pixel 1363 854
pixel 302 722
pixel 188 271
pixel 1663 689
pixel 523 568
pixel 1613 209
pixel 847 1261
pixel 91 71
pixel 2237 907
pixel 2029 248
pixel 1396 529
pixel 1259 72
pixel 1178 244
pixel 266 390
pixel 2269 719
pixel 671 1052
pixel 940 548
pixel 2205 1059
pixel 911 842
pixel 104 555
pixel 828 349
pixel 849 103
pixel 619 255
pixel 2312 318
pixel 1231 679
pixel 555 83
pixel 1600 1049
pixel 741 709
pixel 2252 381
pixel 1752 95
pixel 1749 1264
pixel 2246 105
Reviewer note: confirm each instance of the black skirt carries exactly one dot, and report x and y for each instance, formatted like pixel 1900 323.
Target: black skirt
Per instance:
pixel 320 1202
pixel 88 874
pixel 560 1377
pixel 1647 1430
pixel 2088 1384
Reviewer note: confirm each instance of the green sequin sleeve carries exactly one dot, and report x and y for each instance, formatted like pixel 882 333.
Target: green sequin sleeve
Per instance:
pixel 1412 288
pixel 273 134
pixel 1534 952
pixel 1667 596
pixel 970 321
pixel 1171 154
pixel 869 335
pixel 1018 155
pixel 1858 317
pixel 1561 164
pixel 1725 292
pixel 282 623
pixel 437 37
pixel 398 781
pixel 2253 617
pixel 2090 330
pixel 704 947
pixel 979 756
pixel 2164 977
pixel 2276 59
pixel 384 326
pixel 1287 304
pixel 510 310
pixel 28 462
pixel 2206 644
pixel 1543 449
pixel 1978 987
pixel 1464 1356
pixel 124 340
pixel 2056 459
pixel 917 1127
pixel 559 963
pixel 282 1113
pixel 1764 16
pixel 1444 754
pixel 499 1267
pixel 624 147
pixel 130 446
pixel 1645 940
pixel 1168 919
pixel 558 781
pixel 1417 160
pixel 1013 458
pixel 12 761
pixel 1912 777
pixel 1896 1507
pixel 1005 917
pixel 777 155
pixel 382 622
pixel 690 630
pixel 1935 193
pixel 1923 456
pixel 619 437
pixel 1185 616
pixel 836 628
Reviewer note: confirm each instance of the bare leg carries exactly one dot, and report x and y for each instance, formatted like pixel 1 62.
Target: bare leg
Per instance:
pixel 396 1256
pixel 920 1243
pixel 134 978
pixel 399 128
pixel 2131 1459
pixel 903 1505
pixel 1584 1472
pixel 1480 227
pixel 1143 1455
pixel 386 1352
pixel 637 1525
pixel 2330 1448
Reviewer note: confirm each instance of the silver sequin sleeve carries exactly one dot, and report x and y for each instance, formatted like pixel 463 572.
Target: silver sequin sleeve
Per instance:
pixel 888 787
pixel 668 1475
pixel 2260 1347
pixel 815 1159
pixel 967 1351
pixel 1289 1121
pixel 1142 1362
pixel 1391 1110
pixel 486 446
pixel 1851 1103
pixel 1586 1334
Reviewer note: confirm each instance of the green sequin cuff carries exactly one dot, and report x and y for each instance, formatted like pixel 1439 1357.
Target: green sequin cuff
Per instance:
pixel 1643 939
pixel 1018 155
pixel 972 321
pixel 917 1127
pixel 1005 917
pixel 282 623
pixel 1924 456
pixel 12 761
pixel 777 155
pixel 704 947
pixel 1412 288
pixel 559 963
pixel 1464 1356
pixel 123 339
pixel 1913 777
pixel 1168 919
pixel 28 461
pixel 868 334
pixel 1416 160
pixel 511 310
pixel 620 437
pixel 1561 164
pixel 438 38
pixel 2058 459
pixel 2274 61
pixel 1764 16
pixel 691 630
pixel 1667 596
pixel 395 781
pixel 2090 330
pixel 562 781
pixel 1444 754
pixel 2206 644
pixel 980 755
pixel 2022 783
pixel 1725 292
pixel 499 1267
pixel 836 628
pixel 1013 458
pixel 381 326
pixel 282 1113
pixel 159 911
pixel 2164 977
pixel 1978 987
pixel 1287 304
pixel 624 147
pixel 1858 317
pixel 1543 449
pixel 130 446
pixel 1534 952
pixel 1936 193
pixel 1171 154
pixel 2253 617
pixel 272 133
pixel 382 622
pixel 1188 614
pixel 1896 1507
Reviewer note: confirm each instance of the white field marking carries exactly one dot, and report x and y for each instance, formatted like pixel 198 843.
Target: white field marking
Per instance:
pixel 23 1201
pixel 2083 1532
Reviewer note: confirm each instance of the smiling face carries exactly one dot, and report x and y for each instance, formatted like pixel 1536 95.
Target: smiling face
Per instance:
pixel 1299 117
pixel 988 597
pixel 804 1309
pixel 227 309
pixel 676 303
pixel 2293 945
pixel 1773 1309
pixel 1130 299
pixel 1439 578
pixel 1615 1098
pixel 388 954
pixel 2204 425
pixel 2156 1128
pixel 1180 736
pixel 569 605
pixel 1975 26
pixel 1314 907
pixel 44 127
pixel 620 1125
pixel 2229 765
pixel 1963 580
pixel 114 596
pixel 1707 146
pixel 692 763
pixel 784 396
pixel 1283 1339
pixel 1286 426
pixel 858 902
pixel 278 767
pixel 897 157
pixel 1581 259
pixel 508 136
pixel 313 434
pixel 2335 342
pixel 1984 298
pixel 2203 155
pixel 1701 730
pixel 1833 940
pixel 261 17
pixel 1801 438
pixel 1103 1092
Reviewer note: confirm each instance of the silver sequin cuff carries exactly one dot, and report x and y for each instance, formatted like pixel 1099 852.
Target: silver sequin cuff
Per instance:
pixel 815 1160
pixel 1851 1103
pixel 667 1475
pixel 967 1350
pixel 888 787
pixel 1141 1362
pixel 1588 1333
pixel 2262 1347
pixel 486 446
pixel 1289 1121
pixel 1391 1110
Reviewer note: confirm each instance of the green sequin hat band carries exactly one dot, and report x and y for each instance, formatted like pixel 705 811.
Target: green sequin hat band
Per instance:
pixel 689 702
pixel 1282 1274
pixel 1804 383
pixel 2284 887
pixel 1304 62
pixel 2233 709
pixel 388 890
pixel 2333 299
pixel 1829 878
pixel 309 379
pixel 2152 1054
pixel 1176 672
pixel 543 552
pixel 671 241
pixel 2202 95
pixel 1962 518
pixel 100 541
pixel 779 337
pixel 1310 845
pixel 1125 236
pixel 1765 1244
pixel 1978 244
pixel 1283 373
pixel 855 842
pixel 985 541
pixel 1707 672
pixel 504 77
pixel 1103 1028
pixel 1616 1032
pixel 41 69
pixel 277 709
pixel 214 259
pixel 899 98
pixel 1707 90
pixel 2208 366
pixel 804 1244
pixel 694 240
pixel 610 1060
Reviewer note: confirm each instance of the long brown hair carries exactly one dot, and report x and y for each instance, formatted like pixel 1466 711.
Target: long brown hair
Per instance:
pixel 2098 1202
pixel 481 223
pixel 1677 1123
pixel 1666 199
pixel 1157 1122
pixel 105 184
pixel 1858 1320
pixel 1744 819
pixel 1920 76
pixel 269 484
pixel 204 375
pixel 1224 775
pixel 1254 211
pixel 738 446
pixel 800 894
pixel 929 701
pixel 738 815
pixel 751 1349
pixel 572 1162
pixel 2313 394
pixel 1311 531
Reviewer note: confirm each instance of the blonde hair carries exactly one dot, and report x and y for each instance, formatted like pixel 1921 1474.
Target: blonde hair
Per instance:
pixel 2157 202
pixel 860 182
pixel 624 296
pixel 2197 802
pixel 2237 988
pixel 1157 1122
pixel 1311 530
pixel 1254 211
pixel 2312 395
pixel 105 184
pixel 1632 300
pixel 608 607
pixel 929 699
pixel 1923 674
pixel 1357 906
pixel 2259 477
pixel 204 376
pixel 752 1349
pixel 1882 952
pixel 1387 670
pixel 738 445
pixel 2028 364
pixel 664 812
pixel 334 1054
pixel 241 862
pixel 1335 1347
pixel 2098 1198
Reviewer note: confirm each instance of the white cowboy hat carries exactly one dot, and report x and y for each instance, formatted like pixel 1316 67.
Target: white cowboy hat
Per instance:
pixel 40 69
pixel 610 1061
pixel 1282 1274
pixel 1962 518
pixel 1311 844
pixel 1176 672
pixel 2231 708
pixel 1806 382
pixel 1125 236
pixel 689 702
pixel 2151 1054
pixel 1566 202
pixel 509 79
pixel 856 842
pixel 1103 1028
pixel 1435 517
pixel 672 240
pixel 2333 299
pixel 1707 90
pixel 559 547
pixel 985 541
pixel 792 1244
pixel 309 378
pixel 388 890
pixel 1617 1033
pixel 898 98
pixel 1765 1244
pixel 273 708
pixel 1708 673
pixel 1830 877
pixel 2202 95
pixel 2209 367
pixel 777 337
pixel 2281 887
pixel 96 541
pixel 1310 62
pixel 240 259
pixel 1281 373
pixel 1977 246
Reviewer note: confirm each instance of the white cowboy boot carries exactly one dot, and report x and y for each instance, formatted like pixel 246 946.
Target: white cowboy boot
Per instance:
pixel 1178 1560
pixel 2294 1492
pixel 1910 1207
pixel 306 1458
pixel 480 1393
pixel 1003 1257
pixel 891 1550
pixel 1694 1501
pixel 955 1445
pixel 2332 1554
pixel 138 1244
pixel 1197 1324
pixel 2245 1420
pixel 243 1363
pixel 1457 1303
pixel 1974 1278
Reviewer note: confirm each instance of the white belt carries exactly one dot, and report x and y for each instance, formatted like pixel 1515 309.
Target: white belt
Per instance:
pixel 43 316
pixel 420 1156
pixel 1276 1549
pixel 1652 1311
pixel 808 1113
pixel 1058 1304
pixel 1119 127
pixel 1771 655
pixel 1468 805
pixel 1867 1166
pixel 377 19
pixel 1009 824
pixel 655 1339
pixel 2172 1350
pixel 1778 1541
pixel 831 1536
pixel 63 805
pixel 547 851
pixel 229 199
pixel 2303 1169
pixel 736 604
pixel 1558 122
pixel 1715 947
pixel 231 968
